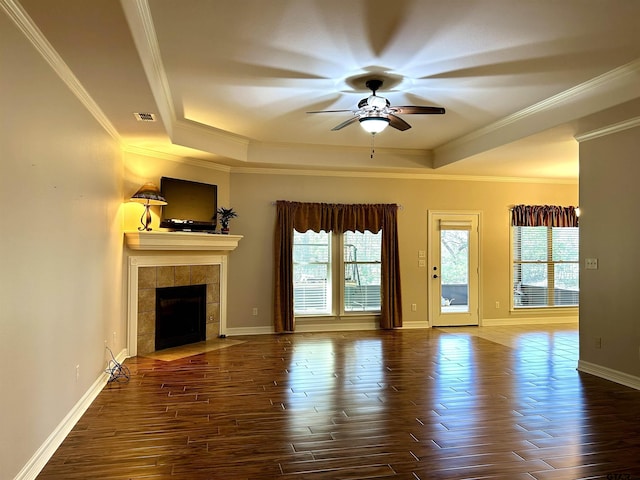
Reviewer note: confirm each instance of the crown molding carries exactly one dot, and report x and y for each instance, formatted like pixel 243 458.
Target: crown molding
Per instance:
pixel 242 170
pixel 210 139
pixel 558 99
pixel 622 79
pixel 29 29
pixel 138 15
pixel 397 175
pixel 182 131
pixel 196 162
pixel 408 152
pixel 609 130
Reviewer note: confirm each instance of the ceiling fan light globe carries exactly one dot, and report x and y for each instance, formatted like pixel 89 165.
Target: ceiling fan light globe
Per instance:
pixel 374 125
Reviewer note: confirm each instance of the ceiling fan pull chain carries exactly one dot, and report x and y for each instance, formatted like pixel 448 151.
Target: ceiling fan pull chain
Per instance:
pixel 373 151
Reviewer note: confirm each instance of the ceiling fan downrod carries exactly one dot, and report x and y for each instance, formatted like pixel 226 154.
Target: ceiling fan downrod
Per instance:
pixel 374 85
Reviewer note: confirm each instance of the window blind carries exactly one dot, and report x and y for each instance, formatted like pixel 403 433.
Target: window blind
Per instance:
pixel 312 273
pixel 545 266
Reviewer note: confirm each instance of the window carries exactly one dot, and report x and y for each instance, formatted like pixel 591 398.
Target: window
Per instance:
pixel 355 256
pixel 545 267
pixel 312 273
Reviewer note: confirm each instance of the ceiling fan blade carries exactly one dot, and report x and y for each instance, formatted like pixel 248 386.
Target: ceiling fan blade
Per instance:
pixel 330 111
pixel 413 109
pixel 398 123
pixel 345 123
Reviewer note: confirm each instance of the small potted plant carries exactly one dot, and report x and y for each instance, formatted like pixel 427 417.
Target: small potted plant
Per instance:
pixel 224 215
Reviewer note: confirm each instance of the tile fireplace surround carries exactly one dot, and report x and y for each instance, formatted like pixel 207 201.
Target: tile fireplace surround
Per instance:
pixel 174 259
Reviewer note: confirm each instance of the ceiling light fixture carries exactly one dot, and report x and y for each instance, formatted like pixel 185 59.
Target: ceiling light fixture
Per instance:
pixel 374 124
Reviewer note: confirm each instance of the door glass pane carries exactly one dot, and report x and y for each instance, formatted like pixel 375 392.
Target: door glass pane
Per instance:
pixel 454 271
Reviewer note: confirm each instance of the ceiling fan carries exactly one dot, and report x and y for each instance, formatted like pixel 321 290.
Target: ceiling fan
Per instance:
pixel 376 113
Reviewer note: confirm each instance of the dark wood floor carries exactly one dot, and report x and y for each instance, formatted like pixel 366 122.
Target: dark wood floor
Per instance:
pixel 401 405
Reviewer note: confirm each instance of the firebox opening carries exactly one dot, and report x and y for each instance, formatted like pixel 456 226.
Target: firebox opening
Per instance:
pixel 180 315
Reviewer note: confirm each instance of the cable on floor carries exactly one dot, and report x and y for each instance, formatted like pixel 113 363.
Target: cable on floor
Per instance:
pixel 117 372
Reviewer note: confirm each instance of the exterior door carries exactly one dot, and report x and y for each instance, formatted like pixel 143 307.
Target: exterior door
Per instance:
pixel 453 268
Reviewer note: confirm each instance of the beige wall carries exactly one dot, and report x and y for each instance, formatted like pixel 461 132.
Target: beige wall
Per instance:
pixel 250 272
pixel 140 169
pixel 60 250
pixel 610 232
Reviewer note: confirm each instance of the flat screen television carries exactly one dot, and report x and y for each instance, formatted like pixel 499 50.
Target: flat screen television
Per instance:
pixel 191 206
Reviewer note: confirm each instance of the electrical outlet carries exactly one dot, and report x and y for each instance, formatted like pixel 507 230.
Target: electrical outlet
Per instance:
pixel 497 304
pixel 255 311
pixel 422 263
pixel 414 307
pixel 591 264
pixel 77 372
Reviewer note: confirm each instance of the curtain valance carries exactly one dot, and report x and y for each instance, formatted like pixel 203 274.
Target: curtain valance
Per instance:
pixel 543 216
pixel 337 218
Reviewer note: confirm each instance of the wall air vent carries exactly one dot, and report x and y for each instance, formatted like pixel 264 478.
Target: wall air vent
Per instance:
pixel 145 117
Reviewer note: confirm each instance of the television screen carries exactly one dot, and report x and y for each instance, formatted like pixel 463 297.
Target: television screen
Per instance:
pixel 191 206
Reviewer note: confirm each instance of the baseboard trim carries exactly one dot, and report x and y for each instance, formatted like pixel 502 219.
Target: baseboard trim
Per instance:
pixel 249 331
pixel 609 374
pixel 39 459
pixel 497 322
pixel 301 326
pixel 304 327
pixel 416 324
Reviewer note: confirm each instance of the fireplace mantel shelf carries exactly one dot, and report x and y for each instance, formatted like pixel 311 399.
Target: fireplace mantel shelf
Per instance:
pixel 183 241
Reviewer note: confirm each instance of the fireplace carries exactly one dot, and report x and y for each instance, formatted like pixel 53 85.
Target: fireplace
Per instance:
pixel 175 259
pixel 180 315
pixel 164 285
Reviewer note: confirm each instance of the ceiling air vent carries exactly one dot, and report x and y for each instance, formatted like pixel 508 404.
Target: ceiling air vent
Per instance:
pixel 145 117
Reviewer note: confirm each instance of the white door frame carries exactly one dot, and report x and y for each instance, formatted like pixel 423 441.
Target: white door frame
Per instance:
pixel 434 310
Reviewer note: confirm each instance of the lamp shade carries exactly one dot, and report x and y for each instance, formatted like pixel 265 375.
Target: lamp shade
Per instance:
pixel 149 194
pixel 374 124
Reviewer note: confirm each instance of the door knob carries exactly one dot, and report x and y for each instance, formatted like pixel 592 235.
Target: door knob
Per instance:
pixel 435 276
